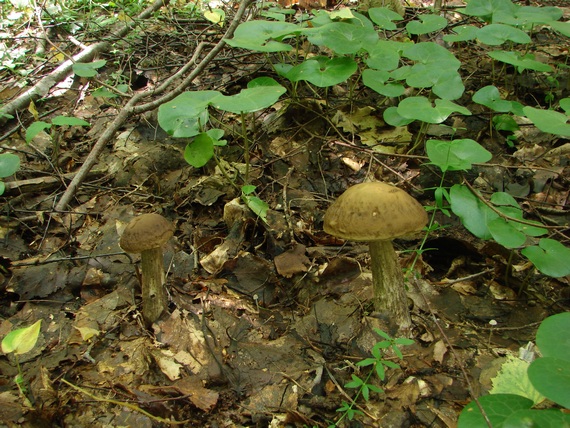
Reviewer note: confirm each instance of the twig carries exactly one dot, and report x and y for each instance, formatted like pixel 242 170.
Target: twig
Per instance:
pixel 125 404
pixel 132 107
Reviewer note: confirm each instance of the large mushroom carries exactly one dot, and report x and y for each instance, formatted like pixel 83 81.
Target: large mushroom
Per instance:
pixel 147 234
pixel 377 213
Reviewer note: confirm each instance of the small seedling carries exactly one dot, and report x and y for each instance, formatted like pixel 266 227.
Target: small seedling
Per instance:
pixel 19 342
pixel 377 365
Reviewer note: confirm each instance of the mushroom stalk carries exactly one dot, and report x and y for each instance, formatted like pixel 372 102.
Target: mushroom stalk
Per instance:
pixel 154 298
pixel 388 284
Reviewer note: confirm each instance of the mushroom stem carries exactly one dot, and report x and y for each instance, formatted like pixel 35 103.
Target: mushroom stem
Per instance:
pixel 154 299
pixel 388 284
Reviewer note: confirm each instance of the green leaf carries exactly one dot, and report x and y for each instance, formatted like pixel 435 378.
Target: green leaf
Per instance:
pixel 497 34
pixel 69 121
pixel 512 378
pixel 263 36
pixel 420 108
pixel 549 121
pixel 383 17
pixel 537 418
pixel 199 151
pixel 185 115
pixel 489 96
pixel 88 69
pixel 526 62
pixel 527 16
pixel 215 16
pixel 498 408
pixel 366 362
pixel 550 257
pixel 375 80
pixel 562 27
pixel 323 71
pixel 486 9
pixel 429 24
pixel 22 340
pixel 384 55
pixel 341 37
pixel 255 204
pixel 549 340
pixel 505 233
pixel 456 155
pixel 355 383
pixel 551 377
pixel 463 33
pixel 250 99
pixel 9 164
pixel 504 122
pixel 380 372
pixel 35 128
pixel 474 214
pixel 392 117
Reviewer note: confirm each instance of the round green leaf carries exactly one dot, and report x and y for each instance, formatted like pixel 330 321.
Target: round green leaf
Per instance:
pixel 185 115
pixel 383 17
pixel 420 108
pixel 498 407
pixel 505 233
pixel 537 418
pixel 263 36
pixel 548 120
pixel 497 34
pixel 473 213
pixel 9 164
pixel 551 377
pixel 375 79
pixel 526 62
pixel 88 69
pixel 250 99
pixel 199 151
pixel 550 257
pixel 462 33
pixel 486 9
pixel 549 340
pixel 341 37
pixel 429 24
pixel 392 117
pixel 323 71
pixel 384 55
pixel 456 155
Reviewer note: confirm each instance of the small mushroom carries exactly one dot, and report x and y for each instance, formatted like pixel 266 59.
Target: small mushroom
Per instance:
pixel 147 234
pixel 378 213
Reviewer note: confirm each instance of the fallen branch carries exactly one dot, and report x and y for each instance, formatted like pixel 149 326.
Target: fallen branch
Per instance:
pixel 60 73
pixel 132 107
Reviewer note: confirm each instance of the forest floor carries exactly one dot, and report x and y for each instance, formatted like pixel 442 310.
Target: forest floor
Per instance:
pixel 268 331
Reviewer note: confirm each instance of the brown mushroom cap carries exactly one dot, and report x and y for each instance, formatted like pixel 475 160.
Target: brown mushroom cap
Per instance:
pixel 146 232
pixel 374 211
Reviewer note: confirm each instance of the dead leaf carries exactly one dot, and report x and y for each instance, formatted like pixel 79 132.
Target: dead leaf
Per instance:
pixel 292 262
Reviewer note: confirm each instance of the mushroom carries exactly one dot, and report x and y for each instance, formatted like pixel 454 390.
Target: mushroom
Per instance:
pixel 377 213
pixel 147 234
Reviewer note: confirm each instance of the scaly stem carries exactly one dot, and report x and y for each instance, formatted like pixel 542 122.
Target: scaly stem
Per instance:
pixel 388 284
pixel 154 299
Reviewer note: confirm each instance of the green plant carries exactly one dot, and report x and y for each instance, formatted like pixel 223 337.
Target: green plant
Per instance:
pixel 550 375
pixel 19 342
pixel 377 365
pixel 9 164
pixel 187 116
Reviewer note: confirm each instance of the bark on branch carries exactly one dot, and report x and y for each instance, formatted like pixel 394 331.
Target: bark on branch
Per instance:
pixel 60 73
pixel 133 107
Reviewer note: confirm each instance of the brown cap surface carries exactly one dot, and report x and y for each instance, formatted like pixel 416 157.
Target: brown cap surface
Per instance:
pixel 146 232
pixel 374 211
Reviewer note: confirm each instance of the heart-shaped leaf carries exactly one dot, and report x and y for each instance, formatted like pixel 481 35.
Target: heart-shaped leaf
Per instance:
pixel 341 37
pixel 250 99
pixel 456 155
pixel 489 96
pixel 199 151
pixel 383 17
pixel 548 120
pixel 323 71
pixel 429 24
pixel 185 115
pixel 497 34
pixel 526 62
pixel 550 257
pixel 88 69
pixel 9 164
pixel 420 108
